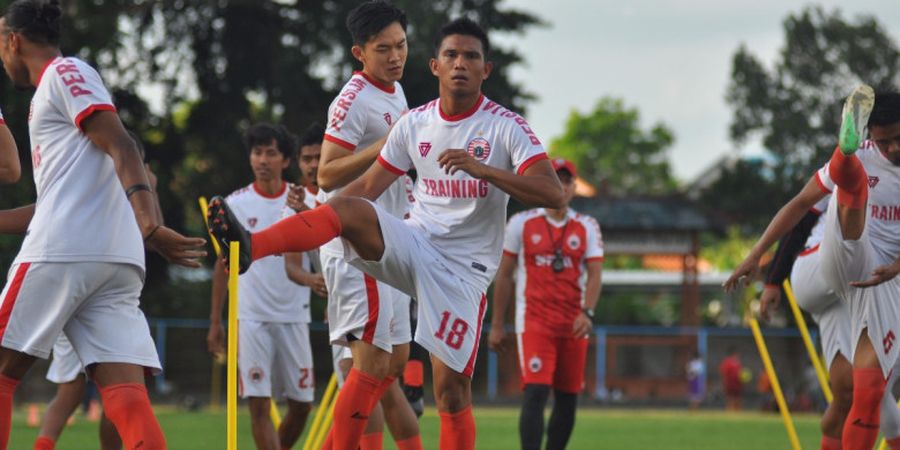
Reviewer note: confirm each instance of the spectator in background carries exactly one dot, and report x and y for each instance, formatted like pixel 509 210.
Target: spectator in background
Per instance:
pixel 730 371
pixel 696 388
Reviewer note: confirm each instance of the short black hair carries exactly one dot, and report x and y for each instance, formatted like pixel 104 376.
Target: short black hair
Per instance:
pixel 886 110
pixel 313 135
pixel 465 27
pixel 37 20
pixel 369 18
pixel 265 133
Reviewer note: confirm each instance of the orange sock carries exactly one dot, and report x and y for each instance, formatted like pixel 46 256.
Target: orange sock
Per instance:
pixel 128 407
pixel 382 388
pixel 830 443
pixel 44 443
pixel 298 233
pixel 351 412
pixel 7 388
pixel 458 430
pixel 371 441
pixel 850 177
pixel 329 440
pixel 413 443
pixel 414 373
pixel 861 426
pixel 894 443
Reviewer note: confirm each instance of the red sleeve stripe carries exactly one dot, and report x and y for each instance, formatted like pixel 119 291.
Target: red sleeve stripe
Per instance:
pixel 340 142
pixel 528 162
pixel 2 121
pixel 821 184
pixel 390 167
pixel 511 254
pixel 596 258
pixel 815 211
pixel 91 110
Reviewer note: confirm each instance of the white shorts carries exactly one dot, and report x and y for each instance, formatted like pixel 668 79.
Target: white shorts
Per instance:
pixel 275 360
pixel 95 303
pixel 65 365
pixel 339 353
pixel 363 307
pixel 875 308
pixel 450 310
pixel 816 297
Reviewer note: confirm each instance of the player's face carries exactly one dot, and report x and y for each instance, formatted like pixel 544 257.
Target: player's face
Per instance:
pixel 568 184
pixel 460 65
pixel 267 162
pixel 384 56
pixel 9 54
pixel 887 138
pixel 309 162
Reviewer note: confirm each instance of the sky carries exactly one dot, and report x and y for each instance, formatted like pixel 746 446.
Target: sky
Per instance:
pixel 670 59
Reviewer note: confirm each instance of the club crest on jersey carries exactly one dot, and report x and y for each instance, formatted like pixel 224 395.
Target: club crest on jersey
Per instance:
pixel 424 148
pixel 574 241
pixel 535 364
pixel 873 180
pixel 251 222
pixel 479 148
pixel 535 238
pixel 256 375
pixel 387 118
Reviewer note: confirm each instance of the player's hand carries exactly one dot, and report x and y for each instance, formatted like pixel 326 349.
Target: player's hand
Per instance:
pixel 496 338
pixel 317 284
pixel 582 325
pixel 879 275
pixel 742 275
pixel 215 340
pixel 455 159
pixel 295 198
pixel 178 249
pixel 769 301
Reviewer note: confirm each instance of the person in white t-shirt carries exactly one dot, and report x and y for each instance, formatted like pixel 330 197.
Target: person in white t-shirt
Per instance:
pixel 860 247
pixel 274 353
pixel 89 181
pixel 470 155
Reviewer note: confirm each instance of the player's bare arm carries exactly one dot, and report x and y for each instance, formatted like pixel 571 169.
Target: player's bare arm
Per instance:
pixel 582 324
pixel 881 274
pixel 296 197
pixel 105 130
pixel 537 186
pixel 215 337
pixel 15 221
pixel 504 282
pixel 786 218
pixel 371 185
pixel 10 167
pixel 339 166
pixel 769 301
pixel 293 266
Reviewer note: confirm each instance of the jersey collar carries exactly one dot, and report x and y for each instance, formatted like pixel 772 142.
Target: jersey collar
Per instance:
pixel 41 75
pixel 264 195
pixel 569 215
pixel 462 115
pixel 389 89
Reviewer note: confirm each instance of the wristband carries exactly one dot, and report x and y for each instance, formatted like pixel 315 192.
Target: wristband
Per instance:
pixel 588 312
pixel 150 234
pixel 135 188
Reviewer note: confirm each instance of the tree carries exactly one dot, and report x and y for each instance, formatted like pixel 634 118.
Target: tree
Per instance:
pixel 609 148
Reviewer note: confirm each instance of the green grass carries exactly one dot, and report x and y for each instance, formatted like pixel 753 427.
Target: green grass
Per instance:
pixel 498 429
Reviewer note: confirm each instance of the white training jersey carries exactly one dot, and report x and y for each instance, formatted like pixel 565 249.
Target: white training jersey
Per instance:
pixel 265 293
pixel 462 216
pixel 358 117
pixel 818 230
pixel 883 216
pixel 78 189
pixel 309 199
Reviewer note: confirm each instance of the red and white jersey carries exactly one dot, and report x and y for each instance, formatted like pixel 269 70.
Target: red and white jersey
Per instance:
pixel 546 301
pixel 818 230
pixel 77 185
pixel 462 216
pixel 358 117
pixel 265 293
pixel 883 217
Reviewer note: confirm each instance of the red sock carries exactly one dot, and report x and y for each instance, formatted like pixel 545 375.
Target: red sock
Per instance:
pixel 371 441
pixel 830 443
pixel 128 407
pixel 44 443
pixel 382 388
pixel 7 388
pixel 414 373
pixel 861 426
pixel 894 443
pixel 329 440
pixel 298 233
pixel 850 177
pixel 458 430
pixel 351 412
pixel 413 443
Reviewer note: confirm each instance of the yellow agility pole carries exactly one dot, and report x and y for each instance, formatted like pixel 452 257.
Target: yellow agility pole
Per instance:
pixel 318 419
pixel 231 395
pixel 322 432
pixel 204 206
pixel 884 444
pixel 274 414
pixel 810 348
pixel 776 387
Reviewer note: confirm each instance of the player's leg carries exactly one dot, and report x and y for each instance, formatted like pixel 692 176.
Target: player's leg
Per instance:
pixel 567 383
pixel 264 435
pixel 293 365
pixel 890 414
pixel 845 168
pixel 398 414
pixel 537 364
pixel 293 423
pixel 861 426
pixel 109 436
pixel 360 393
pixel 375 425
pixel 453 398
pixel 841 382
pixel 414 378
pixel 127 404
pixel 256 366
pixel 68 397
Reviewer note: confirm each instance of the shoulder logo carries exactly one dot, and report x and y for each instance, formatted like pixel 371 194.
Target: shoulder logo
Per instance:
pixel 36 157
pixel 479 148
pixel 424 148
pixel 873 181
pixel 535 238
pixel 251 222
pixel 387 118
pixel 574 241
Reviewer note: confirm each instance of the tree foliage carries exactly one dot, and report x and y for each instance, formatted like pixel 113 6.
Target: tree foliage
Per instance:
pixel 610 149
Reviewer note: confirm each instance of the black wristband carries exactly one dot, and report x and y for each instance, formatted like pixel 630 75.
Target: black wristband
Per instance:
pixel 150 234
pixel 135 188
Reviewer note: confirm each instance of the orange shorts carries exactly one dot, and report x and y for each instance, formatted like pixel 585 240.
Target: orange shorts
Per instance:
pixel 556 361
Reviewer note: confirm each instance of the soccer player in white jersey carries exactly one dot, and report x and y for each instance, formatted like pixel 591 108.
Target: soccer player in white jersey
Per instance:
pixel 88 177
pixel 860 249
pixel 470 155
pixel 554 259
pixel 274 353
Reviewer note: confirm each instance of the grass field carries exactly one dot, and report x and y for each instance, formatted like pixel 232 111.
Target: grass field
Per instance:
pixel 597 429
